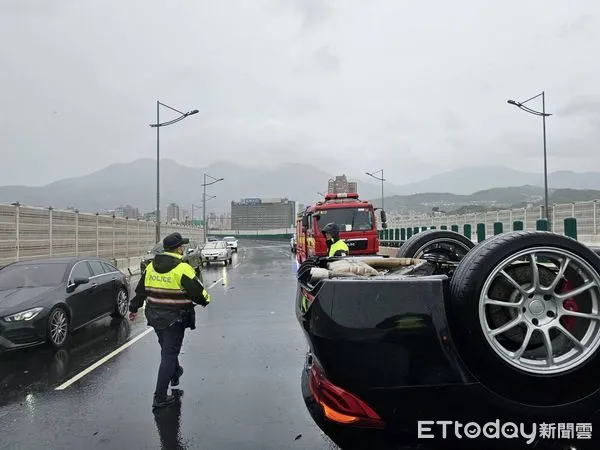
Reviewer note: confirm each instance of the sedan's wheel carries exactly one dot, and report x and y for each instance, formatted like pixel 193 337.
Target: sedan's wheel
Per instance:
pixel 440 242
pixel 524 310
pixel 122 306
pixel 58 327
pixel 540 310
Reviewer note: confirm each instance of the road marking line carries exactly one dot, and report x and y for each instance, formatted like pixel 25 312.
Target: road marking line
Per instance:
pixel 215 283
pixel 98 363
pixel 236 266
pixel 103 360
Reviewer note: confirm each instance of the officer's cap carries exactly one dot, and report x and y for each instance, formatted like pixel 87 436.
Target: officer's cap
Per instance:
pixel 174 240
pixel 332 228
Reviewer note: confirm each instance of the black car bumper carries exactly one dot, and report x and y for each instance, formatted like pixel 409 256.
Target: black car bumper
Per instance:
pixel 436 417
pixel 24 333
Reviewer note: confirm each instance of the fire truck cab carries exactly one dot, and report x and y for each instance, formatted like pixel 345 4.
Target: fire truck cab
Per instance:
pixel 356 219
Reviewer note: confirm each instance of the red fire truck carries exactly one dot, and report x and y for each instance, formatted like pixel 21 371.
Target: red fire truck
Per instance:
pixel 356 219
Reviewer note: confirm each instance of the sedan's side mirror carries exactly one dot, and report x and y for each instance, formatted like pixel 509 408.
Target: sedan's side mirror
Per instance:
pixel 77 282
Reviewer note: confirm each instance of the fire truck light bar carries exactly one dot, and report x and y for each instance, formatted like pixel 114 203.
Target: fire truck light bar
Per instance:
pixel 344 195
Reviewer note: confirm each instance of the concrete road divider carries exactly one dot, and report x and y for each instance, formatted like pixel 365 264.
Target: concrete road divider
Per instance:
pixel 129 266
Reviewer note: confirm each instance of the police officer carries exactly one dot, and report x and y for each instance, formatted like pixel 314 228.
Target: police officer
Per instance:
pixel 336 246
pixel 171 288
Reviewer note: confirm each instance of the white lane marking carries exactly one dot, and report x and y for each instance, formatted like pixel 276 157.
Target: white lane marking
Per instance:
pixel 215 283
pixel 103 360
pixel 236 266
pixel 112 354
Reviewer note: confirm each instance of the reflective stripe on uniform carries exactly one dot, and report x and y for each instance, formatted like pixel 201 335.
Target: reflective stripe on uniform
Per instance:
pixel 169 301
pixel 170 292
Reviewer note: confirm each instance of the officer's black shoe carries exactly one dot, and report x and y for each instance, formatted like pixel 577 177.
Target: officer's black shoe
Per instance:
pixel 175 379
pixel 161 402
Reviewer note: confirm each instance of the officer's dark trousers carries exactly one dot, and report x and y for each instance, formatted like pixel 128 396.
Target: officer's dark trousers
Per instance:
pixel 170 340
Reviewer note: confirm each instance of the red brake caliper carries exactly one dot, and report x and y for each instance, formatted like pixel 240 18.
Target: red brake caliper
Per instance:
pixel 569 304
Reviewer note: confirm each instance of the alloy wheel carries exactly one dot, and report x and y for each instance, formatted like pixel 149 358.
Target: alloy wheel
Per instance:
pixel 551 314
pixel 59 325
pixel 443 245
pixel 122 302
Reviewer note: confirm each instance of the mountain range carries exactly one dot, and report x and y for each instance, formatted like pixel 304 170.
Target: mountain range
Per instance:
pixel 489 199
pixel 134 184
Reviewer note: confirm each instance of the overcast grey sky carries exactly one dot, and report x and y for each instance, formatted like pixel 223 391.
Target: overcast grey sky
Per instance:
pixel 417 87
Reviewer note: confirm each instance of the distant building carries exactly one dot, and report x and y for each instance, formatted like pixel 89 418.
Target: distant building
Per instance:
pixel 341 185
pixel 127 211
pixel 173 212
pixel 262 214
pixel 224 222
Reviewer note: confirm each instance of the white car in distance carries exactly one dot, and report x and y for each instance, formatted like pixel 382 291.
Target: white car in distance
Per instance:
pixel 216 251
pixel 231 242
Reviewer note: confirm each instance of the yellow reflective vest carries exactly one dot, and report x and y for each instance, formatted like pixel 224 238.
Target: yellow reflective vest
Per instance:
pixel 339 246
pixel 166 288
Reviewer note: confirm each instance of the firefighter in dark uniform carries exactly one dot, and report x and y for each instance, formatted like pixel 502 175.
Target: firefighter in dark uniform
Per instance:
pixel 171 290
pixel 336 246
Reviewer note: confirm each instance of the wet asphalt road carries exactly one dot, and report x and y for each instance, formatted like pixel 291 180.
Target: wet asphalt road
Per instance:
pixel 241 386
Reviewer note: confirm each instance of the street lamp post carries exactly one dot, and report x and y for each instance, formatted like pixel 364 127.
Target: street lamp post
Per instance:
pixel 194 206
pixel 215 180
pixel 157 125
pixel 543 114
pixel 372 175
pixel 210 197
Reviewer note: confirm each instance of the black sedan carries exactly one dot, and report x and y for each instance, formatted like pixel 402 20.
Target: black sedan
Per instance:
pixel 43 300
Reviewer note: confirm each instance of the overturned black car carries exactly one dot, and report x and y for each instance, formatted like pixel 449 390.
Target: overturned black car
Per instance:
pixel 455 345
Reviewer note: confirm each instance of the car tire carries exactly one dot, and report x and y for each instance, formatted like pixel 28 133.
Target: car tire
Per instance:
pixel 57 328
pixel 121 304
pixel 450 243
pixel 506 365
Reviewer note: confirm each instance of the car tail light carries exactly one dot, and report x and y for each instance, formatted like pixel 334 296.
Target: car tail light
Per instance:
pixel 340 405
pixel 310 298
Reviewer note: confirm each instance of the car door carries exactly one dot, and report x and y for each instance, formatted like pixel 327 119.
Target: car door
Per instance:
pixel 106 287
pixel 82 299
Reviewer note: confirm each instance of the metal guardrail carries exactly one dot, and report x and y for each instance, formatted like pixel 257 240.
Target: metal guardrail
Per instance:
pixel 586 214
pixel 29 232
pixel 394 237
